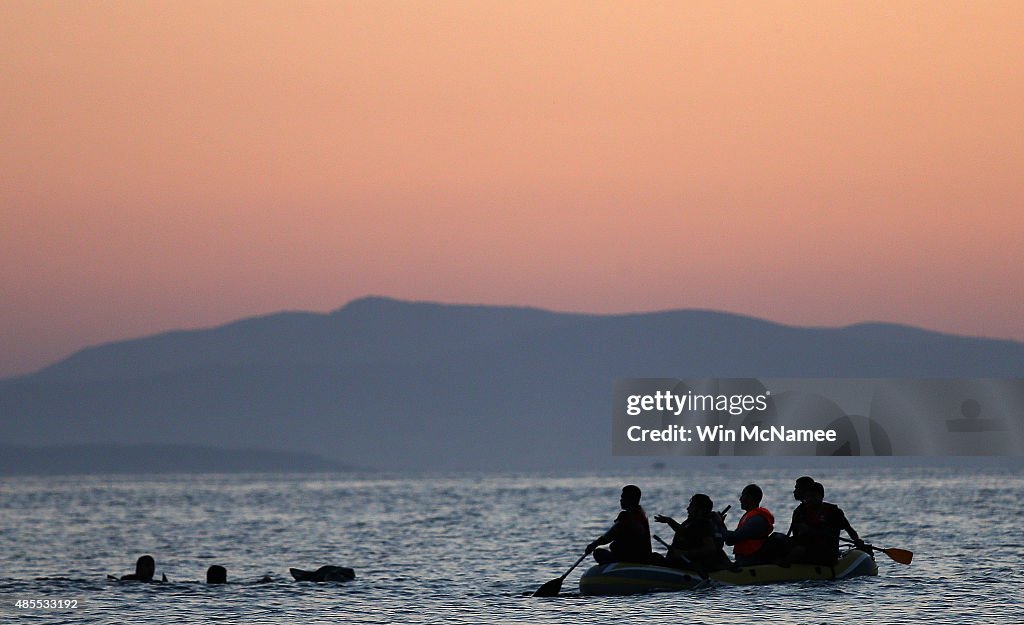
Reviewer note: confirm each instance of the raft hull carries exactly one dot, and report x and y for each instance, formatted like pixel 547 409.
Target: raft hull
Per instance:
pixel 627 578
pixel 624 578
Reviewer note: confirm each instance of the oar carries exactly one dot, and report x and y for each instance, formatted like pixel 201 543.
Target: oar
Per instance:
pixel 668 546
pixel 552 588
pixel 903 556
pixel 699 570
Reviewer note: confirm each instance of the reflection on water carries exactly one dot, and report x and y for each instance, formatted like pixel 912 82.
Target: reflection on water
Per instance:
pixel 472 548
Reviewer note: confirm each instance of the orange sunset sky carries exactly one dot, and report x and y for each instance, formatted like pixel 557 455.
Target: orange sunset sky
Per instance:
pixel 183 164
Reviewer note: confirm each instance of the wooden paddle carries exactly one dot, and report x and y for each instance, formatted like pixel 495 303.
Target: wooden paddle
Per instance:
pixel 903 556
pixel 552 588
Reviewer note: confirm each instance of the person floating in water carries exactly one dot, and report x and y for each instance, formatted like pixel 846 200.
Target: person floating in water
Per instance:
pixel 816 527
pixel 698 540
pixel 750 538
pixel 324 574
pixel 145 568
pixel 216 574
pixel 630 535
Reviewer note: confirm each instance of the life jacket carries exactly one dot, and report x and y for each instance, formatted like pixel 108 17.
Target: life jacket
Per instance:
pixel 823 515
pixel 633 537
pixel 643 528
pixel 751 546
pixel 823 521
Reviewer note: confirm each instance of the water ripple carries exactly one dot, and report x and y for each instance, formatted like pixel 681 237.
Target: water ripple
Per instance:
pixel 472 549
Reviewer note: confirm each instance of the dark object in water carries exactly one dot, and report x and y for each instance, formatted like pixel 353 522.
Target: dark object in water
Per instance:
pixel 145 568
pixel 324 574
pixel 216 574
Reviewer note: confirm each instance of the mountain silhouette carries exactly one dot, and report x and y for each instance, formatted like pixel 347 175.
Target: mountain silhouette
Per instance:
pixel 392 384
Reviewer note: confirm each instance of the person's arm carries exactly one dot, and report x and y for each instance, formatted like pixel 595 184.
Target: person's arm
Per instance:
pixel 608 536
pixel 667 520
pixel 756 527
pixel 603 539
pixel 844 524
pixel 795 522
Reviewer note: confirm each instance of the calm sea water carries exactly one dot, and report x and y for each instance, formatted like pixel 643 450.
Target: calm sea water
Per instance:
pixel 471 548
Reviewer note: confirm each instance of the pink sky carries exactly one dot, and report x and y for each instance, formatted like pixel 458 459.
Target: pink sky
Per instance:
pixel 177 165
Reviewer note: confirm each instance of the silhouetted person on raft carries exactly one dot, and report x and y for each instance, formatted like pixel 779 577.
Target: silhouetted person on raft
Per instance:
pixel 816 527
pixel 630 535
pixel 145 568
pixel 750 539
pixel 216 574
pixel 698 540
pixel 799 493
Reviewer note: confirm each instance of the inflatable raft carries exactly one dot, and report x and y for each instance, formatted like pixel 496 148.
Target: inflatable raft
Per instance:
pixel 624 578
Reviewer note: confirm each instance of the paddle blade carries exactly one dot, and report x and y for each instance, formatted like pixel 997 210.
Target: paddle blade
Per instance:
pixel 899 555
pixel 550 589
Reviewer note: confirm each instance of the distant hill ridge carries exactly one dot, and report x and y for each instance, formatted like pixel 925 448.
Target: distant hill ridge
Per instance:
pixel 379 329
pixel 371 329
pixel 395 384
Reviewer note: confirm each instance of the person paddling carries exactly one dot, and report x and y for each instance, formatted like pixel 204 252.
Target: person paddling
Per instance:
pixel 630 535
pixel 750 537
pixel 816 527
